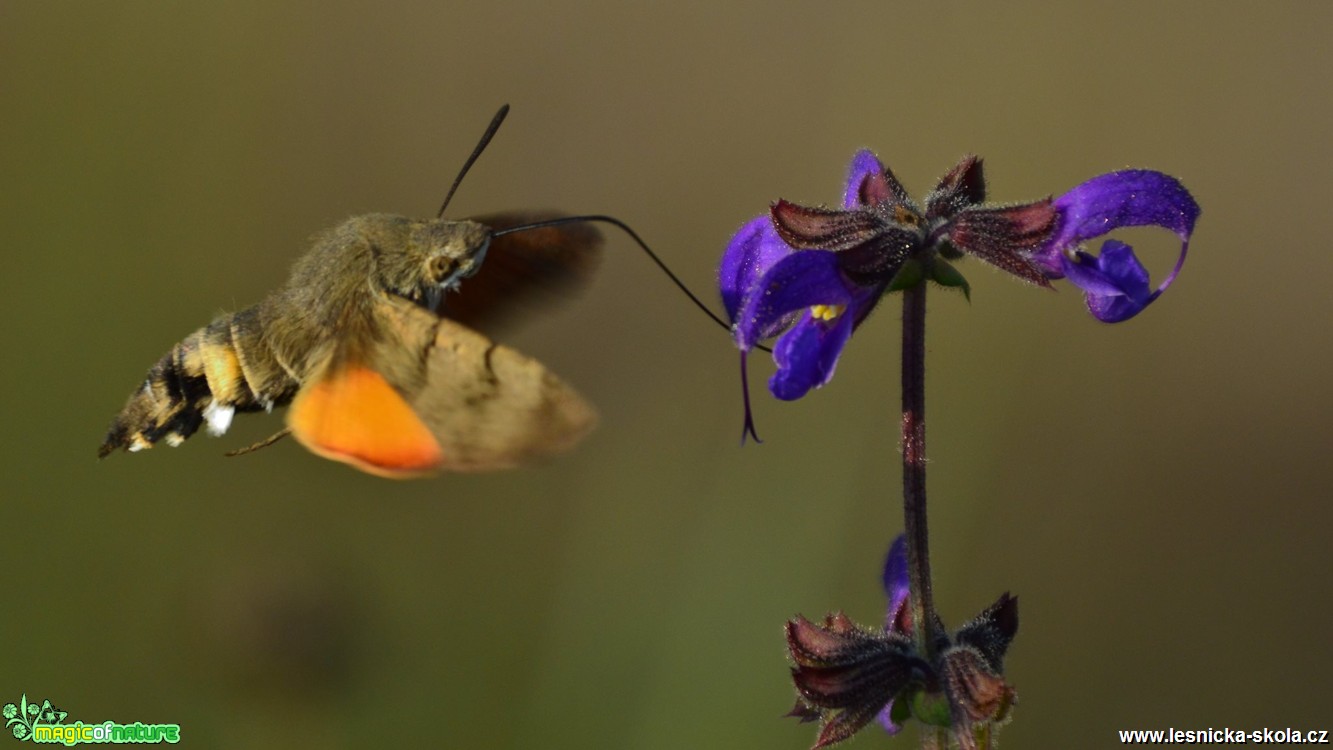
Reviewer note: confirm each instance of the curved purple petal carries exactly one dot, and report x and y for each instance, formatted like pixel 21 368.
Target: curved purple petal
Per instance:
pixel 1130 198
pixel 753 250
pixel 808 354
pixel 864 164
pixel 1118 290
pixel 1116 283
pixel 799 280
pixel 895 580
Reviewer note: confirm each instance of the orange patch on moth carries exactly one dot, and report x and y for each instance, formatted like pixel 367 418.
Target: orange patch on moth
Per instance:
pixel 353 415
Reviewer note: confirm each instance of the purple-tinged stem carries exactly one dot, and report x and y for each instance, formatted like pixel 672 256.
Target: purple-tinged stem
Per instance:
pixel 914 468
pixel 914 486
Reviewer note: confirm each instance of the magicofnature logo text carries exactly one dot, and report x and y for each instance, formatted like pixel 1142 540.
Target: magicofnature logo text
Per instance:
pixel 46 724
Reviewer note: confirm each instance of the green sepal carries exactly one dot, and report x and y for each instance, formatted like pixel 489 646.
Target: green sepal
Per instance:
pixel 932 709
pixel 943 273
pixel 909 275
pixel 902 708
pixel 948 251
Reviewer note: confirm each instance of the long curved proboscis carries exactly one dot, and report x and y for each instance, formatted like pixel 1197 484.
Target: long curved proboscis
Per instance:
pixel 613 221
pixel 481 146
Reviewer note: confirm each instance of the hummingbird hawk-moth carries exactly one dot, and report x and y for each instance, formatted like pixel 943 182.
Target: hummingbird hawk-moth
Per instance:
pixel 377 355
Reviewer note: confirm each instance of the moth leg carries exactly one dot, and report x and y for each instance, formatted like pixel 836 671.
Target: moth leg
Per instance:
pixel 266 442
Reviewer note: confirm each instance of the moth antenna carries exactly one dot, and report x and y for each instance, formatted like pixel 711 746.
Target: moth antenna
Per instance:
pixel 266 442
pixel 481 146
pixel 613 221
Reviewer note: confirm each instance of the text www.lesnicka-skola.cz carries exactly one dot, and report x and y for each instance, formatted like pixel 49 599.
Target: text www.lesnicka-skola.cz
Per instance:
pixel 1223 736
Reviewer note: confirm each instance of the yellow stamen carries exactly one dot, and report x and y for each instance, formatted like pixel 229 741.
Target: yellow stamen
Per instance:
pixel 827 312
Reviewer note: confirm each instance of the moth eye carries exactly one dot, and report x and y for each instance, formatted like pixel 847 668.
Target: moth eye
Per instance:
pixel 440 266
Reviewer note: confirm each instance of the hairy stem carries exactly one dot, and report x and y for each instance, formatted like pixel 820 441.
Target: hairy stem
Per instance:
pixel 914 468
pixel 914 485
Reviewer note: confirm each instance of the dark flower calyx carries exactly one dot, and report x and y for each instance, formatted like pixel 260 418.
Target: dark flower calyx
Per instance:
pixel 978 695
pixel 1003 237
pixel 845 674
pixel 991 632
pixel 963 186
pixel 879 185
pixel 872 243
pixel 972 672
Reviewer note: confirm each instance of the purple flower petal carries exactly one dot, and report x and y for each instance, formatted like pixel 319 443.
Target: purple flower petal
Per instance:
pixel 870 183
pixel 1131 198
pixel 1118 262
pixel 1085 274
pixel 886 720
pixel 1116 283
pixel 1113 309
pixel 864 164
pixel 808 354
pixel 797 281
pixel 895 580
pixel 752 251
pixel 898 589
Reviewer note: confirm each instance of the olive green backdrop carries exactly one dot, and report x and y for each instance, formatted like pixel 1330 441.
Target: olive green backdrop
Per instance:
pixel 1155 492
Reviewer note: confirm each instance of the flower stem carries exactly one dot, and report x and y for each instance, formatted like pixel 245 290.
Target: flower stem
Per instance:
pixel 914 485
pixel 914 468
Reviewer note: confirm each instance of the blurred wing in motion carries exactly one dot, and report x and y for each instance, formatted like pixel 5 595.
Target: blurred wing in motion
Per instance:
pixel 491 407
pixel 350 413
pixel 436 396
pixel 524 270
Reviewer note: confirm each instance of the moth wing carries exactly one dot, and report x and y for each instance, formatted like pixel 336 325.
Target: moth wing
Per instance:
pixel 491 407
pixel 524 270
pixel 350 412
pixel 434 395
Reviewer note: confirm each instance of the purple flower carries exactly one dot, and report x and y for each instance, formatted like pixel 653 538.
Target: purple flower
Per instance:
pixel 1116 283
pixel 810 276
pixel 898 618
pixel 847 675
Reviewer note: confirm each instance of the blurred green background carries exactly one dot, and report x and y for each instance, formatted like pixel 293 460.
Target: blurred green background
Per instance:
pixel 1156 492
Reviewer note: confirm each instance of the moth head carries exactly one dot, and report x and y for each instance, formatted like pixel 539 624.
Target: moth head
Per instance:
pixel 437 256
